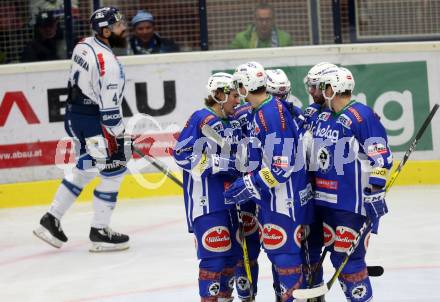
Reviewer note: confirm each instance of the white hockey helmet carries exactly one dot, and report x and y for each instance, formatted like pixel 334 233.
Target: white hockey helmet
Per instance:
pixel 277 82
pixel 350 78
pixel 251 75
pixel 220 80
pixel 314 75
pixel 339 78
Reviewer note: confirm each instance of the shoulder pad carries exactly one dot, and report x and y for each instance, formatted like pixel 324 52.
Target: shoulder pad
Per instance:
pixel 208 119
pixel 235 124
pixel 324 116
pixel 344 120
pixel 310 111
pixel 217 125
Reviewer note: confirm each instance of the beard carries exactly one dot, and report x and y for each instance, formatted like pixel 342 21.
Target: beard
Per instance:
pixel 117 41
pixel 319 100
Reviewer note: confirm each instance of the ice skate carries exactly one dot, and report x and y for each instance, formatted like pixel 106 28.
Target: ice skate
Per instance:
pixel 106 240
pixel 50 231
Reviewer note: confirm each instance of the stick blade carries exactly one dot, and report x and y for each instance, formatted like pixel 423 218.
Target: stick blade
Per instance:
pixel 210 133
pixel 375 271
pixel 309 293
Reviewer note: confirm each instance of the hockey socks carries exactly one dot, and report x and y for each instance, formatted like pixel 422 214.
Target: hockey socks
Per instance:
pixel 215 279
pixel 104 199
pixel 50 229
pixel 243 286
pixel 64 198
pixel 289 272
pixel 356 286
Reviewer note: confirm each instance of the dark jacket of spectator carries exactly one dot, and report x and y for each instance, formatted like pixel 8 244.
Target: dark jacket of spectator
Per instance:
pixel 44 46
pixel 157 44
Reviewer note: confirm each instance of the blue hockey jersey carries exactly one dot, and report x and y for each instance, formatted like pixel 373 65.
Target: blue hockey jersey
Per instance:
pixel 275 137
pixel 203 194
pixel 351 152
pixel 243 115
pixel 311 114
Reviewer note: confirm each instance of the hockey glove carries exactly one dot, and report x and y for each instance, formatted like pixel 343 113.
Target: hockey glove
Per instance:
pixel 242 190
pixel 222 165
pixel 375 206
pixel 117 161
pixel 125 147
pixel 215 164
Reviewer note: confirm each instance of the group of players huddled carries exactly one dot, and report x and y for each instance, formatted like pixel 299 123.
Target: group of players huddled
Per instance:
pixel 291 182
pixel 297 181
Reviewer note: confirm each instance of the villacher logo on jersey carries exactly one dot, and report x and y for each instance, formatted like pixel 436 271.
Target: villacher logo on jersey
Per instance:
pixel 344 238
pixel 329 234
pixel 274 236
pixel 217 239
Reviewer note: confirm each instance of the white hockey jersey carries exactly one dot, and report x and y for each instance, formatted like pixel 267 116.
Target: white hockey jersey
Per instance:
pixel 101 78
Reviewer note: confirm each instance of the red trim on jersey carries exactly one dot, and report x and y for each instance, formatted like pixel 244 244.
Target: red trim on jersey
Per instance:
pixel 263 121
pixel 356 114
pixel 206 120
pixel 101 64
pixel 281 114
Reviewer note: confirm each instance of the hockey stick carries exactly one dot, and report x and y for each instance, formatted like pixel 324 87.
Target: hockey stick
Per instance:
pixel 246 261
pixel 411 147
pixel 157 164
pixel 373 270
pixel 322 290
pixel 310 293
pixel 309 273
pixel 210 133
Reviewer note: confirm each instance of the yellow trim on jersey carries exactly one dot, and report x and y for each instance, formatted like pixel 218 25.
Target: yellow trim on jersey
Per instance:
pixel 380 173
pixel 201 166
pixel 268 178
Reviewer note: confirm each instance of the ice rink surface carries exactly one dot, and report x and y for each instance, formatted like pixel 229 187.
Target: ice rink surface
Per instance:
pixel 161 266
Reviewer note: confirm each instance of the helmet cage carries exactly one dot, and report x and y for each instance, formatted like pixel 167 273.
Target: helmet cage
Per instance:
pixel 220 81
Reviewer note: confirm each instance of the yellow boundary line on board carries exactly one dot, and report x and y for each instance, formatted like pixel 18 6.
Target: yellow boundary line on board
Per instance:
pixel 42 192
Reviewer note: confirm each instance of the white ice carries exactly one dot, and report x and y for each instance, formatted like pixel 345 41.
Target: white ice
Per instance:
pixel 161 265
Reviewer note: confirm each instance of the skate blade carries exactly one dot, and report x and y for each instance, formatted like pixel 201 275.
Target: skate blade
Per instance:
pixel 47 237
pixel 101 247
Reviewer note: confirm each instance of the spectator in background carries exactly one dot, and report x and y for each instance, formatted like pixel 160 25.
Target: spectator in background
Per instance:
pixel 44 45
pixel 263 33
pixel 145 40
pixel 13 31
pixel 55 6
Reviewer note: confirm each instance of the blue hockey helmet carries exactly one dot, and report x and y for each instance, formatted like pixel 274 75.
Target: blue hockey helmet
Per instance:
pixel 104 17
